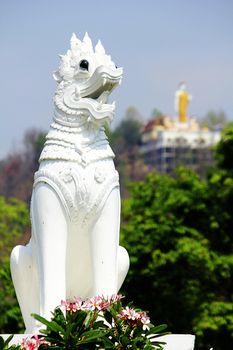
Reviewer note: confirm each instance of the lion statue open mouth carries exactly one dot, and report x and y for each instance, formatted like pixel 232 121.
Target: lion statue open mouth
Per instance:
pixel 85 79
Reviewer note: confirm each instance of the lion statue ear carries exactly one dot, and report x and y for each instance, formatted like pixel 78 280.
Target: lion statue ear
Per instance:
pixel 57 77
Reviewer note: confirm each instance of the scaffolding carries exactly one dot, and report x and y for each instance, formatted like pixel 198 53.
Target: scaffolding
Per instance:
pixel 167 148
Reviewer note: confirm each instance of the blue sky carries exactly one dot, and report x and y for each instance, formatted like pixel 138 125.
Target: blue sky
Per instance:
pixel 159 43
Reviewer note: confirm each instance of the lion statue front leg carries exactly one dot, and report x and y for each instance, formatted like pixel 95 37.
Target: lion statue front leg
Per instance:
pixel 45 273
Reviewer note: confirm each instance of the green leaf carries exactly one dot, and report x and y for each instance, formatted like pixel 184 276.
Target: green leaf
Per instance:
pixel 158 343
pixel 89 318
pixel 108 317
pixel 4 343
pixel 79 319
pixel 107 343
pixel 90 336
pixel 1 343
pixel 52 325
pixel 148 347
pixel 157 329
pixel 99 324
pixel 124 340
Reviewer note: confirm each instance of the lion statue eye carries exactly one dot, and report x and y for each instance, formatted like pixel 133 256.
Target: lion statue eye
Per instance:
pixel 84 64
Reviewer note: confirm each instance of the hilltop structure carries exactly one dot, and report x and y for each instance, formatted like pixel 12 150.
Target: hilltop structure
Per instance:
pixel 168 142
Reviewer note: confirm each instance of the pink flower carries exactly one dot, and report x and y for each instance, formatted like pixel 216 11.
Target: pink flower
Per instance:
pixel 104 303
pixel 101 302
pixel 144 318
pixel 97 303
pixel 32 343
pixel 71 306
pixel 78 303
pixel 114 298
pixel 129 314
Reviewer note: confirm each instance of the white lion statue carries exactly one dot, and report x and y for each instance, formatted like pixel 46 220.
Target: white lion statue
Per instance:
pixel 75 207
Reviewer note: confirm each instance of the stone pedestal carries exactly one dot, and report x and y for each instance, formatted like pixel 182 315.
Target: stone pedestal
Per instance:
pixel 178 341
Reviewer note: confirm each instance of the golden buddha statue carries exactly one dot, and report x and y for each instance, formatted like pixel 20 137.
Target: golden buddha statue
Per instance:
pixel 182 99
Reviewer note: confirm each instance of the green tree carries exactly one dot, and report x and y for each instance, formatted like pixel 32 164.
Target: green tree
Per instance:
pixel 33 143
pixel 214 120
pixel 178 232
pixel 224 149
pixel 156 113
pixel 14 224
pixel 17 170
pixel 125 140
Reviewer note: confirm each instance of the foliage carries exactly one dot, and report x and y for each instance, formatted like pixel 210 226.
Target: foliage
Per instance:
pixel 127 133
pixel 156 113
pixel 4 344
pixel 93 323
pixel 14 222
pixel 10 315
pixel 214 120
pixel 178 232
pixel 125 140
pixel 224 149
pixel 17 170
